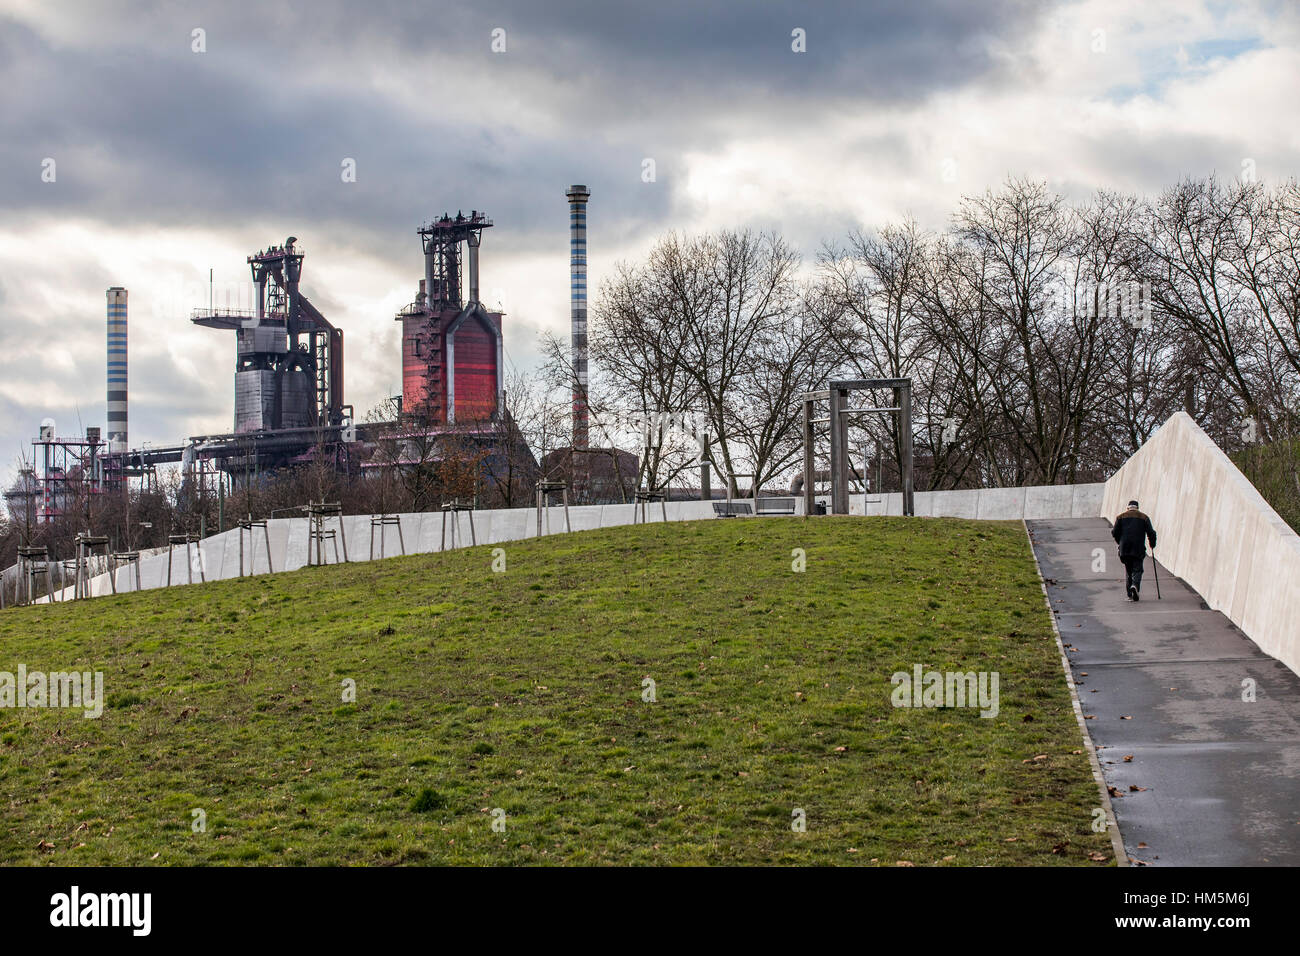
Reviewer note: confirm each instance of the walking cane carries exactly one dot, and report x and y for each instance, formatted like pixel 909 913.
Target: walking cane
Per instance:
pixel 1155 567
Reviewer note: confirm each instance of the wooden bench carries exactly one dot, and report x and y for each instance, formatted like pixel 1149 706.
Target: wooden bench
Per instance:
pixel 775 506
pixel 731 509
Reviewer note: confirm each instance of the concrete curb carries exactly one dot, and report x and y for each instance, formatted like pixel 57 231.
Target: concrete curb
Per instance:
pixel 1112 824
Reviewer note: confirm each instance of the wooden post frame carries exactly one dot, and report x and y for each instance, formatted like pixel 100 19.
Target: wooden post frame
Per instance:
pixel 640 499
pixel 544 491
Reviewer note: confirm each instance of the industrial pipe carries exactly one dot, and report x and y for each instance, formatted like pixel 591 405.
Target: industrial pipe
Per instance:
pixel 473 243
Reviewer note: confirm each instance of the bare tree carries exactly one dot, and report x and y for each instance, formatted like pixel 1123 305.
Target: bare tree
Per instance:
pixel 1191 242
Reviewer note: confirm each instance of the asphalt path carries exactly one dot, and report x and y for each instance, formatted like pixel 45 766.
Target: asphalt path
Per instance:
pixel 1199 772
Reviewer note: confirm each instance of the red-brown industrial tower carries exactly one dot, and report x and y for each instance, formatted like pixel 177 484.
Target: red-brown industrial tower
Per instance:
pixel 452 351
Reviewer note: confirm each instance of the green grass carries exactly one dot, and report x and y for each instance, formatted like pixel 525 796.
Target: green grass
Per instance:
pixel 521 693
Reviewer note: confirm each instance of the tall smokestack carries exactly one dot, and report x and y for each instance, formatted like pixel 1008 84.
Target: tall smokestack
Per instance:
pixel 578 196
pixel 117 441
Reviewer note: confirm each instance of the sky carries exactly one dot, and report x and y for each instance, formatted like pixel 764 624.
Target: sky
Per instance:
pixel 143 143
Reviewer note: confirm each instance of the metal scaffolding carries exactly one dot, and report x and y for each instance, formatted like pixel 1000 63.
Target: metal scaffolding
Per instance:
pixel 68 472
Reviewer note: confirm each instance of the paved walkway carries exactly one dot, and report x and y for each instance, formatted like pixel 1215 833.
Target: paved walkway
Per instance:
pixel 1164 681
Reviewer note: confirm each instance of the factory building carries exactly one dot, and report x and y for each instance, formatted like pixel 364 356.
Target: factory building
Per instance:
pixel 288 390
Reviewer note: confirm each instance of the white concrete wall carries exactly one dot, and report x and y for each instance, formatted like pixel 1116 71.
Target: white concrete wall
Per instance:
pixel 421 533
pixel 424 533
pixel 1217 533
pixel 990 504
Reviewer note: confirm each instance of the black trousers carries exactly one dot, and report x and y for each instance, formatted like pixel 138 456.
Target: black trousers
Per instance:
pixel 1133 572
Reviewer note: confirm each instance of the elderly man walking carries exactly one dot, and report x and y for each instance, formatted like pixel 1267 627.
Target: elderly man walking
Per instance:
pixel 1132 531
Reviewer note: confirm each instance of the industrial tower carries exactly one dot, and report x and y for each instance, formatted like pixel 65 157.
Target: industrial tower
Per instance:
pixel 578 196
pixel 452 348
pixel 117 369
pixel 289 358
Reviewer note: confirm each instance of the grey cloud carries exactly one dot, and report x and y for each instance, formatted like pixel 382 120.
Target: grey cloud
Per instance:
pixel 145 130
pixel 248 137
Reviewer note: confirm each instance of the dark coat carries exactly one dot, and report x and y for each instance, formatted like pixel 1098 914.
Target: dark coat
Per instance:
pixel 1131 532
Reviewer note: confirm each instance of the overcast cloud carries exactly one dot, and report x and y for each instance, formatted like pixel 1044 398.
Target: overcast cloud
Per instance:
pixel 170 162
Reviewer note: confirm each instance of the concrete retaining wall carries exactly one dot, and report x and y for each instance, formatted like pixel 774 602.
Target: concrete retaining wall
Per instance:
pixel 990 504
pixel 1217 533
pixel 217 557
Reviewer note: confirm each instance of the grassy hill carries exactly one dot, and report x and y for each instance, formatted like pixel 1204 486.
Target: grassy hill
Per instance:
pixel 522 692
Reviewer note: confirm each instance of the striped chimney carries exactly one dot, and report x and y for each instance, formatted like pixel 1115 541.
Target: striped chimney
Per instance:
pixel 117 441
pixel 578 196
